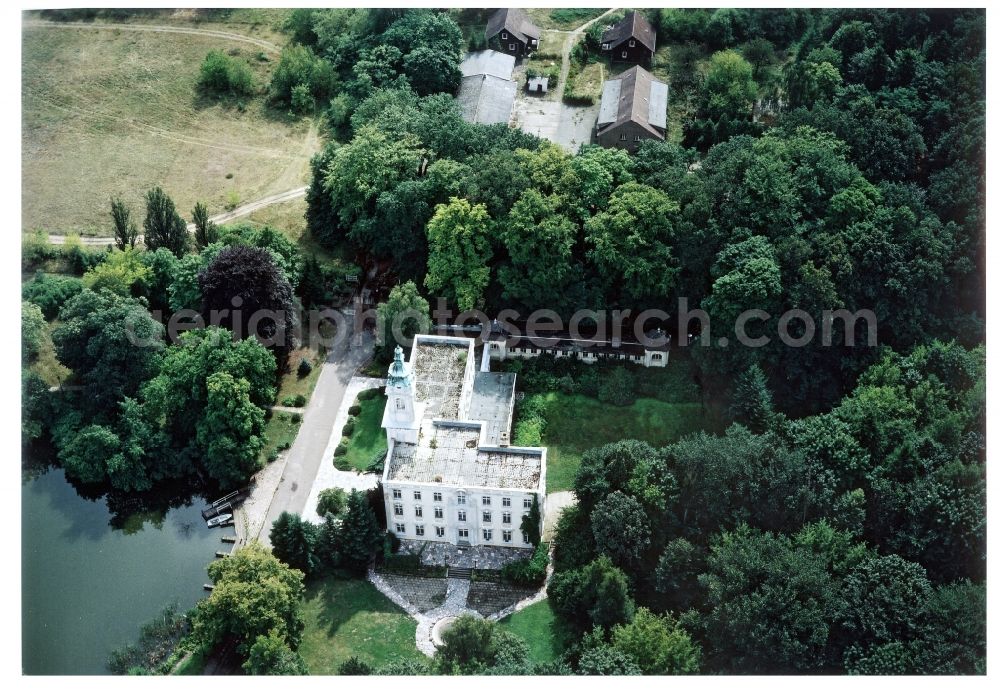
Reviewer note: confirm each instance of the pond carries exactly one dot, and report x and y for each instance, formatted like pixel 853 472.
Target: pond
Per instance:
pixel 91 578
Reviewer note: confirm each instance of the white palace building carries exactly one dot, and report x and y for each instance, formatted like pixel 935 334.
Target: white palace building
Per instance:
pixel 451 474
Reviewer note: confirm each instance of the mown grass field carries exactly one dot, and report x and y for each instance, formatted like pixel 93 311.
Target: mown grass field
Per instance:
pixel 345 618
pixel 115 111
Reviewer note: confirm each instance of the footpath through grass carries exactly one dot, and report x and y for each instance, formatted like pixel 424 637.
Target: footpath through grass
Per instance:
pixel 114 112
pixel 345 618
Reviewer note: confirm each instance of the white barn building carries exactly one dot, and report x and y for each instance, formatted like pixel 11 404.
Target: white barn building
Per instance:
pixel 450 473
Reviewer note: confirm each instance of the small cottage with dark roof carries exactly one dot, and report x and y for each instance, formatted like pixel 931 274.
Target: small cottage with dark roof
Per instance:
pixel 630 40
pixel 510 31
pixel 633 109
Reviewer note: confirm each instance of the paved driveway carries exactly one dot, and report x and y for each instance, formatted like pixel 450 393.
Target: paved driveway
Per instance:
pixel 306 453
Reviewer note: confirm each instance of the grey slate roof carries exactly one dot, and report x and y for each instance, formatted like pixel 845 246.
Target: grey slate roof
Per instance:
pixel 634 96
pixel 634 25
pixel 514 21
pixel 486 99
pixel 489 62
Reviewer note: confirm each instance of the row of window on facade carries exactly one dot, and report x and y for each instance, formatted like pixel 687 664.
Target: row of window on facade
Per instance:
pixel 560 352
pixel 463 534
pixel 418 511
pixel 486 500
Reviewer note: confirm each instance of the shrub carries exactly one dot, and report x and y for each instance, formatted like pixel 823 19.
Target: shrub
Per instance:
pixel 340 451
pixel 305 367
pixel 528 571
pixel 354 410
pixel 79 258
pixel 377 464
pixel 391 546
pixel 36 249
pixel 272 455
pixel 617 387
pixel 302 100
pixel 296 417
pixel 299 67
pixel 332 501
pixel 222 74
pixel 288 401
pixel 50 292
pixel 367 394
pixel 299 400
pixel 401 563
pixel 348 429
pixel 567 385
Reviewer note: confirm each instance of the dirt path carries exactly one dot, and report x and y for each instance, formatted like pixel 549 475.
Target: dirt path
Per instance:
pixel 224 217
pixel 571 39
pixel 157 28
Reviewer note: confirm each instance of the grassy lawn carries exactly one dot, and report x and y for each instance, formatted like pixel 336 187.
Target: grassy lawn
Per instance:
pixel 345 618
pixel 654 421
pixel 115 112
pixel 291 384
pixel 538 626
pixel 677 410
pixel 279 433
pixel 564 18
pixel 587 82
pixel 368 437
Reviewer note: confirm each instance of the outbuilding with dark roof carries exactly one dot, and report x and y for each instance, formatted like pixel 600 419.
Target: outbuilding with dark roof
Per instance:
pixel 630 40
pixel 510 31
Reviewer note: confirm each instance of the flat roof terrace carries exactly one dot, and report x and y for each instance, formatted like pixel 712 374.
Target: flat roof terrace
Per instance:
pixel 452 456
pixel 439 373
pixel 492 403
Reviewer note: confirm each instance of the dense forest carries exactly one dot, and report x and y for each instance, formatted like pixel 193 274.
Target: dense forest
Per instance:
pixel 826 159
pixel 833 159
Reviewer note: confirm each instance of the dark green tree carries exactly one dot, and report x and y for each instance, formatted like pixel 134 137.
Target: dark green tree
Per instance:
pixel 404 314
pixel 360 536
pixel 205 230
pixel 163 226
pixel 621 529
pixel 752 404
pixel 532 521
pixel 293 541
pixel 126 231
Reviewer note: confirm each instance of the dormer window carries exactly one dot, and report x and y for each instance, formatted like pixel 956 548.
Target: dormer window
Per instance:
pixel 631 44
pixel 624 53
pixel 605 46
pixel 503 35
pixel 399 404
